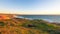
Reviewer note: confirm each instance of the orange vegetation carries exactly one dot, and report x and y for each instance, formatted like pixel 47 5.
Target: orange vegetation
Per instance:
pixel 3 17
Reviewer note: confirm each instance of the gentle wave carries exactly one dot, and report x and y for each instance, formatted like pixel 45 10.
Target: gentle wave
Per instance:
pixel 49 18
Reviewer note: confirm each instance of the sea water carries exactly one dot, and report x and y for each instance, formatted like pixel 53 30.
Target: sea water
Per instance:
pixel 51 18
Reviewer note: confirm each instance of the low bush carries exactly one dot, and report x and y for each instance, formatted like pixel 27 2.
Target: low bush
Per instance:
pixel 2 23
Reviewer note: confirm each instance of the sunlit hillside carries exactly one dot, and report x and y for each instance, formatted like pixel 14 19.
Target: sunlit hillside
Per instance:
pixel 25 26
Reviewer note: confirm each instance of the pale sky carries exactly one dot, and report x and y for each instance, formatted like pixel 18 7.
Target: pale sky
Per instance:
pixel 30 6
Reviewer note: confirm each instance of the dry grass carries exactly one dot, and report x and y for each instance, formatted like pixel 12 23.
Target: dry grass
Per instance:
pixel 14 26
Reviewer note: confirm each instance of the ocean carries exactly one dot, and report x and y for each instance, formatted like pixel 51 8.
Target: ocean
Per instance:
pixel 50 18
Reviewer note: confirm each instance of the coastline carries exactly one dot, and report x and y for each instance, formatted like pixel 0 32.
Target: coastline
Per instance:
pixel 23 25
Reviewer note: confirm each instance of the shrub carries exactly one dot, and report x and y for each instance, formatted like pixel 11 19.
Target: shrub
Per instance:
pixel 2 23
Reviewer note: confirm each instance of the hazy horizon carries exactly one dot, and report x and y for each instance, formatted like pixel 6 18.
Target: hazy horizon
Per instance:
pixel 30 6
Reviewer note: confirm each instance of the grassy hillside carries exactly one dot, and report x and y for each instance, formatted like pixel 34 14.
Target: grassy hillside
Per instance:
pixel 24 26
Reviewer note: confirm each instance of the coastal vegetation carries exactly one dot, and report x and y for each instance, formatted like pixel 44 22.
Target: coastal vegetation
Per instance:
pixel 2 24
pixel 26 26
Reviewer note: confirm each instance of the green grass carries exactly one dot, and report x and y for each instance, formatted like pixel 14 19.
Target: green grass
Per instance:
pixel 42 25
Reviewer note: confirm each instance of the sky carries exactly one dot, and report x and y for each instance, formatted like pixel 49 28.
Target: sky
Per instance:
pixel 30 6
